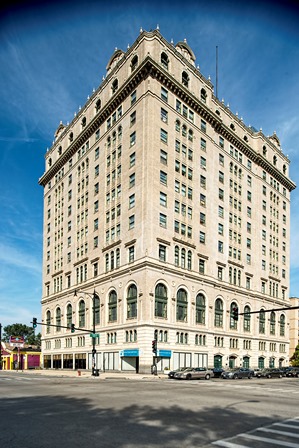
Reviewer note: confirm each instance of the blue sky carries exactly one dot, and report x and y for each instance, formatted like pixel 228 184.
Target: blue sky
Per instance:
pixel 52 55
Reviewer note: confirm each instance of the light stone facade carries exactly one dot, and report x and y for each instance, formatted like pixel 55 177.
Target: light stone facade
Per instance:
pixel 165 203
pixel 294 324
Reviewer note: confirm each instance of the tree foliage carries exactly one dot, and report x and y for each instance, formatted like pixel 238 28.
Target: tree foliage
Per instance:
pixel 26 332
pixel 295 358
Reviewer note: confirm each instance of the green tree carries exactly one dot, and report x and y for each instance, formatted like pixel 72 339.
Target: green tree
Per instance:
pixel 295 358
pixel 22 330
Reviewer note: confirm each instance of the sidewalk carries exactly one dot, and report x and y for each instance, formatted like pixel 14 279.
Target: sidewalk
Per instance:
pixel 87 374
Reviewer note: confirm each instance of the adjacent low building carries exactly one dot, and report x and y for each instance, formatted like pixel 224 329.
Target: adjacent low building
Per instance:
pixel 164 212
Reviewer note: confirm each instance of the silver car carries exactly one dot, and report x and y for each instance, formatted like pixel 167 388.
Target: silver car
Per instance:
pixel 195 373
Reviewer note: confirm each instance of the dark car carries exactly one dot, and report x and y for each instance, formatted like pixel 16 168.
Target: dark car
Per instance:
pixel 292 371
pixel 217 372
pixel 270 373
pixel 236 373
pixel 173 372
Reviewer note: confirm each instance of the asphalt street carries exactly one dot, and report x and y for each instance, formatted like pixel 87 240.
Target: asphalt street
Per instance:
pixel 47 411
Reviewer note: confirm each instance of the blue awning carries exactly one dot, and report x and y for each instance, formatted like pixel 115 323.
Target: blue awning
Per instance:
pixel 129 353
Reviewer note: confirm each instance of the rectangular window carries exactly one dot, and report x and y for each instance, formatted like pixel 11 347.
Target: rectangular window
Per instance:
pixel 163 135
pixel 132 201
pixel 163 220
pixel 133 118
pixel 164 94
pixel 163 157
pixel 163 199
pixel 162 252
pixel 164 115
pixel 132 159
pixel 132 180
pixel 131 221
pixel 131 252
pixel 202 237
pixel 203 126
pixel 133 139
pixel 133 97
pixel 201 266
pixel 163 178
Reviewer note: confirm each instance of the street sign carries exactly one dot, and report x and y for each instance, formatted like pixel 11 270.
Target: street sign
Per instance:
pixel 17 341
pixel 94 335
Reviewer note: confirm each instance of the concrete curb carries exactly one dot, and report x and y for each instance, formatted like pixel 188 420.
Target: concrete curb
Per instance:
pixel 87 374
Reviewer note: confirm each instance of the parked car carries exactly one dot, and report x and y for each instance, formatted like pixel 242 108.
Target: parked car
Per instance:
pixel 217 372
pixel 270 373
pixel 242 372
pixel 194 374
pixel 292 371
pixel 172 372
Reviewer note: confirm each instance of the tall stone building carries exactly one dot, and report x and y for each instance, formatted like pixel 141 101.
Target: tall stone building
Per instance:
pixel 174 212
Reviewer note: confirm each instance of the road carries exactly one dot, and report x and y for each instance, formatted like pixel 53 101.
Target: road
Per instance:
pixel 52 412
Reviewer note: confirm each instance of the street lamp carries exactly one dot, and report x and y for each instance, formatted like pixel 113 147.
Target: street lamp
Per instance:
pixel 95 297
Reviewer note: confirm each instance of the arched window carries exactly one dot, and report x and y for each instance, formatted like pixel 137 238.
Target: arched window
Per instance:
pixel 261 363
pixel 274 160
pixel 200 315
pixel 177 125
pixel 282 322
pixel 114 86
pixel 247 318
pixel 98 105
pixel 96 305
pixel 189 260
pixel 218 317
pixel 203 95
pixel 262 322
pixel 184 130
pixel 81 313
pixel 161 301
pixel 164 61
pixel 112 304
pixel 190 135
pixel 69 315
pixel 107 262
pixel 183 258
pixel 246 363
pixel 134 63
pixel 58 319
pixel 185 79
pixel 176 255
pixel 181 305
pixel 232 321
pixel 272 323
pixel 132 302
pixel 83 122
pixel 48 320
pixel 71 137
pixel 264 151
pixel 284 169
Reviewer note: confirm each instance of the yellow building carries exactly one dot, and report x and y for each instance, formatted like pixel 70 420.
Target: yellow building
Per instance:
pixel 23 358
pixel 174 211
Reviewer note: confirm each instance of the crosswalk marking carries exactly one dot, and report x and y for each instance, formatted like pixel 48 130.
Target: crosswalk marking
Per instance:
pixel 271 440
pixel 239 439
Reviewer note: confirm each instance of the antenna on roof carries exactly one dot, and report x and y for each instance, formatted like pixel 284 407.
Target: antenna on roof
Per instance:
pixel 216 71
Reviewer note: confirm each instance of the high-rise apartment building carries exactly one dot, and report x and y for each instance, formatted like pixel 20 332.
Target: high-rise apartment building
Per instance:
pixel 162 201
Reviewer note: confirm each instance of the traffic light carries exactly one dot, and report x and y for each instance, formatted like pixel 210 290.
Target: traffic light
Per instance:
pixel 235 313
pixel 34 322
pixel 72 328
pixel 154 346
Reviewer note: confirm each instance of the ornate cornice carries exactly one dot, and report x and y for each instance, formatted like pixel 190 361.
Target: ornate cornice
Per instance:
pixel 149 67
